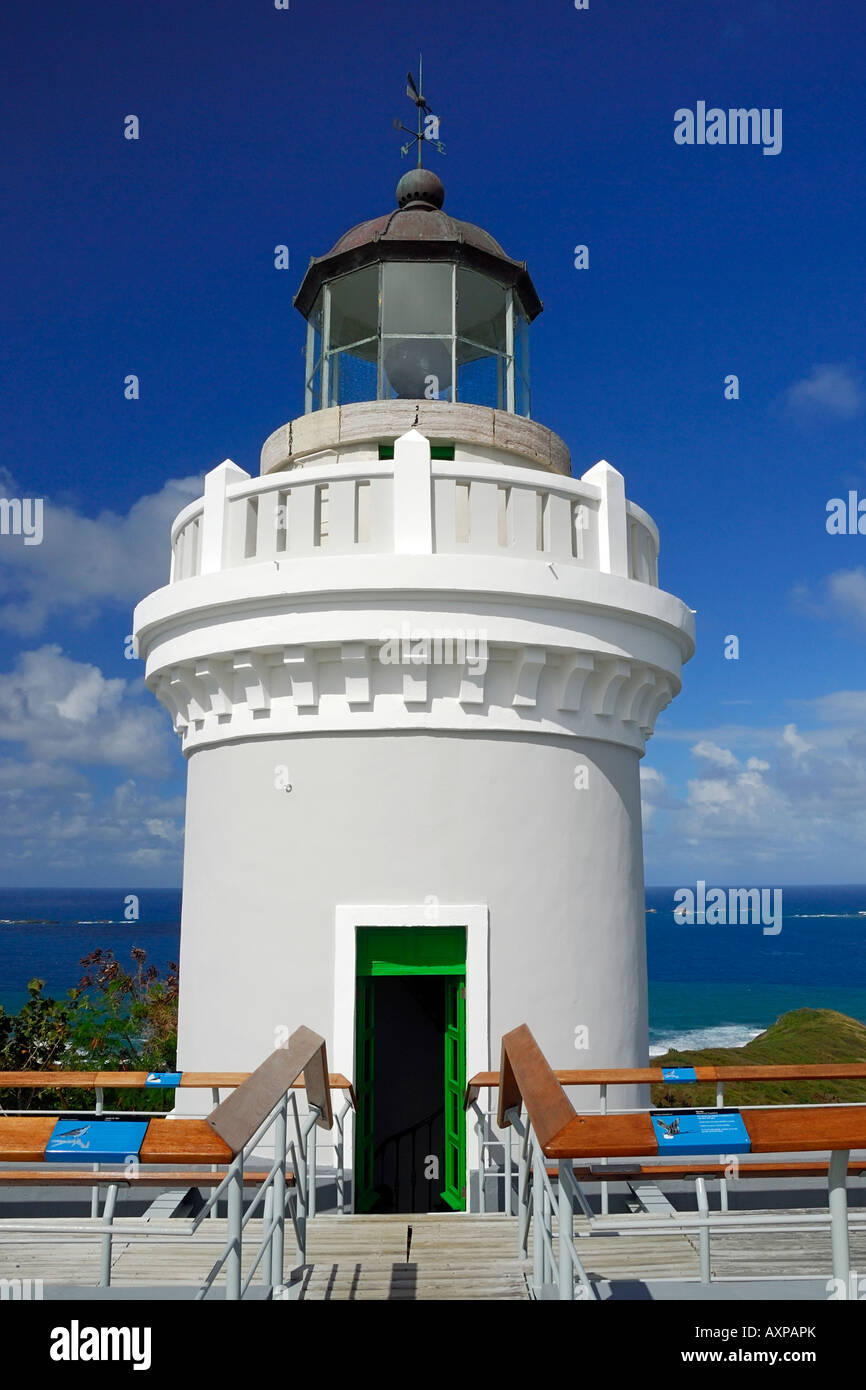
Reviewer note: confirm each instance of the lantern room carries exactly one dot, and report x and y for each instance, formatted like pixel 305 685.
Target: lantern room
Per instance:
pixel 416 305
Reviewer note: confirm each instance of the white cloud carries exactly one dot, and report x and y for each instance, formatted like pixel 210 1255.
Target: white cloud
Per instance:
pixel 829 389
pixel 795 806
pixel 846 592
pixel 60 830
pixel 67 711
pixel 85 564
pixel 714 754
pixel 793 740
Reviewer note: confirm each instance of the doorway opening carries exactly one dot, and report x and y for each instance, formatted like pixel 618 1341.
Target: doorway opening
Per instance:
pixel 410 1069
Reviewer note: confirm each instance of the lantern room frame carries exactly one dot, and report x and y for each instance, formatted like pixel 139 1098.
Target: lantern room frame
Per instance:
pixel 504 345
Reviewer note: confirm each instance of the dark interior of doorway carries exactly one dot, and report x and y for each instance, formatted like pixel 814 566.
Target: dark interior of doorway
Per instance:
pixel 409 1123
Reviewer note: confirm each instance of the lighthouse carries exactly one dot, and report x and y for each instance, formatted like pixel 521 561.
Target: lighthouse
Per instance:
pixel 413 666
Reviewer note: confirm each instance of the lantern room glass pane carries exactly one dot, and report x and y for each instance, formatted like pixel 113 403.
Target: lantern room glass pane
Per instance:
pixel 416 298
pixel 480 310
pixel 480 377
pixel 354 307
pixel 353 375
pixel 416 368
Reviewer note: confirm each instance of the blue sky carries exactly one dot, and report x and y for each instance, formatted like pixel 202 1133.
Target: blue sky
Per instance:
pixel 261 127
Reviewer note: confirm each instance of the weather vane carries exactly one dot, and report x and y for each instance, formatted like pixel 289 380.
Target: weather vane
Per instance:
pixel 428 124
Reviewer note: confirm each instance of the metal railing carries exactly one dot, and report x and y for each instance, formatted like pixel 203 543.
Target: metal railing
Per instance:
pixel 549 1208
pixel 239 1123
pixel 490 1137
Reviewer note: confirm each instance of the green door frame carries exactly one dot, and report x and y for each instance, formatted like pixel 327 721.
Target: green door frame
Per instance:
pixel 388 951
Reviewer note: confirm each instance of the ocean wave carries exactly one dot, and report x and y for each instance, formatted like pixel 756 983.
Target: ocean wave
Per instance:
pixel 29 922
pixel 695 1039
pixel 813 916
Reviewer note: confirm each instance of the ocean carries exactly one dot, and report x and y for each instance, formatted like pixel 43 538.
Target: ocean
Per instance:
pixel 709 985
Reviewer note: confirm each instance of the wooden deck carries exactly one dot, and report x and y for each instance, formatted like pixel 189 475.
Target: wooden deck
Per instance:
pixel 451 1257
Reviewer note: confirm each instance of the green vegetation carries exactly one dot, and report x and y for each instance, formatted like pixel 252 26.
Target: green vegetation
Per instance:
pixel 117 1019
pixel 799 1038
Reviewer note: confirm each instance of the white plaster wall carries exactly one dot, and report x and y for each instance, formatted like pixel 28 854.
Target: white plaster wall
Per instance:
pixel 384 818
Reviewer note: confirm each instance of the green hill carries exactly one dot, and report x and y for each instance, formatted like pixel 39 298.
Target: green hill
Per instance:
pixel 798 1038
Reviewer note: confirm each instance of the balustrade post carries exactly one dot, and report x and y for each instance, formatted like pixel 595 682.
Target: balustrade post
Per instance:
pixel 413 495
pixel 215 514
pixel 612 518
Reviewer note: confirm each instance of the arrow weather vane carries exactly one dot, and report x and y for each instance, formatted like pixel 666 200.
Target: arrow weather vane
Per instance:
pixel 428 124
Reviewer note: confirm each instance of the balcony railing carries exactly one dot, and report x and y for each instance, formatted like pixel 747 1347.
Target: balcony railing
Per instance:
pixel 413 505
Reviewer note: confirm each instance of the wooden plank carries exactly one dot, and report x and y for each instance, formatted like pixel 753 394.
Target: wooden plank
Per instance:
pixel 611 1076
pixel 772 1130
pixel 820 1071
pixel 25 1080
pixel 23 1138
pixel 778 1130
pixel 183 1141
pixel 55 1175
pixel 227 1079
pixel 603 1136
pixel 28 1080
pixel 675 1172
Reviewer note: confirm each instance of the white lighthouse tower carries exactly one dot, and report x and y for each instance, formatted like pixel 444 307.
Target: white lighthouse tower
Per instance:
pixel 413 666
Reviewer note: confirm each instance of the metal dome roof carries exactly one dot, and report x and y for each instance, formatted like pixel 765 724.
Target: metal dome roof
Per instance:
pixel 418 230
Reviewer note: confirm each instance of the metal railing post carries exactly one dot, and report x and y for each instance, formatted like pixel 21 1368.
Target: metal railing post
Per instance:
pixel 838 1203
pixel 704 1234
pixel 565 1221
pixel 311 1171
pixel 279 1197
pixel 605 1191
pixel 235 1195
pixel 215 1098
pixel 94 1191
pixel 339 1159
pixel 509 1173
pixel 267 1263
pixel 105 1254
pixel 524 1190
pixel 479 1144
pixel 537 1199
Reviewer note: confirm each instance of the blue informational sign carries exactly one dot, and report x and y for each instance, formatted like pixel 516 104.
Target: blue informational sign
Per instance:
pixel 700 1132
pixel 163 1078
pixel 679 1074
pixel 97 1141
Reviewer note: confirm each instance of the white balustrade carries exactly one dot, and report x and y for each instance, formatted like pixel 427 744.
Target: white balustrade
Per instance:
pixel 471 509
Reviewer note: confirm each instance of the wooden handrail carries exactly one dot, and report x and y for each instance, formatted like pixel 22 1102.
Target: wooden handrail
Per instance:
pixel 527 1076
pixel 137 1080
pixel 219 1137
pixel 612 1076
pixel 563 1134
pixel 238 1117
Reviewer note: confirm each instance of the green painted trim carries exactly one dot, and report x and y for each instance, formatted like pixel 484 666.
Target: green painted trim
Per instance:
pixel 454 1191
pixel 410 951
pixel 443 452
